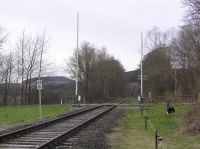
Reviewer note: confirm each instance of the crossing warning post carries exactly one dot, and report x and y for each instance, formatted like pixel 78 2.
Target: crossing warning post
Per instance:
pixel 39 88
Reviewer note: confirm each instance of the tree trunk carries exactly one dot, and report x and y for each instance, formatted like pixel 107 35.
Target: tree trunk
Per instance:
pixel 26 89
pixel 29 89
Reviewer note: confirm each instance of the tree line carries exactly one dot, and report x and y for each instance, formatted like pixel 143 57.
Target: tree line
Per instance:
pixel 19 65
pixel 172 62
pixel 101 77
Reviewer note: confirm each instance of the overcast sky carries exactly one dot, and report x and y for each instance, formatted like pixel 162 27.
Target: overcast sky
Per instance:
pixel 115 24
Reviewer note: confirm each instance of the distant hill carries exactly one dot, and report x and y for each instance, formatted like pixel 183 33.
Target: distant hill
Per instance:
pixel 53 80
pixel 132 76
pixel 133 85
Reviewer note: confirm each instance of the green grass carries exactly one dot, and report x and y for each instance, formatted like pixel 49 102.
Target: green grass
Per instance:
pixel 134 102
pixel 132 134
pixel 12 115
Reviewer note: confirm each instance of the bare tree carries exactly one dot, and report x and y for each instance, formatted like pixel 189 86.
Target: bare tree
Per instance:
pixel 157 67
pixel 3 37
pixel 155 38
pixel 33 62
pixel 6 73
pixel 193 11
pixel 86 60
pixel 21 48
pixel 159 60
pixel 109 78
pixel 187 47
pixel 101 76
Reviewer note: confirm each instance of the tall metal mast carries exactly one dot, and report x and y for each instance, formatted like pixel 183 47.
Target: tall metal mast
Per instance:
pixel 40 90
pixel 77 55
pixel 39 83
pixel 141 69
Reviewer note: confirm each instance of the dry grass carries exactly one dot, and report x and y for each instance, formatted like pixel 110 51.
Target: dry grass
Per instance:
pixel 191 121
pixel 131 133
pixel 140 141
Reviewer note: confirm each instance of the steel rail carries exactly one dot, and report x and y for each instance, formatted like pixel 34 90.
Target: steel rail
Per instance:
pixel 26 130
pixel 72 131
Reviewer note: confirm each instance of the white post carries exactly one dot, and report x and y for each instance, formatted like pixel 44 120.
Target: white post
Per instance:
pixel 40 104
pixel 175 86
pixel 77 74
pixel 40 90
pixel 76 93
pixel 175 73
pixel 141 65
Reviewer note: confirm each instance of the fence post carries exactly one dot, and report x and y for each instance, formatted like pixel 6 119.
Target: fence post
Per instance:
pixel 145 121
pixel 141 110
pixel 156 139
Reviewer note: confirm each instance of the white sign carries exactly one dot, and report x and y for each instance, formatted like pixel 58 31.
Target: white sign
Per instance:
pixel 144 77
pixel 79 98
pixel 138 98
pixel 39 84
pixel 149 95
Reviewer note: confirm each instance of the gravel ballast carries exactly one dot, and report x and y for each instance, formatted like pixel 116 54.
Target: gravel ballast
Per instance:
pixel 94 136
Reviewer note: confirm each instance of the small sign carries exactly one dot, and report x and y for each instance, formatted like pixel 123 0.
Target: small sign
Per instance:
pixel 139 98
pixel 144 77
pixel 79 98
pixel 39 84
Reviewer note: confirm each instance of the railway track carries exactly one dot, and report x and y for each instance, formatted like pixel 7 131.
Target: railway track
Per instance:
pixel 50 133
pixel 94 136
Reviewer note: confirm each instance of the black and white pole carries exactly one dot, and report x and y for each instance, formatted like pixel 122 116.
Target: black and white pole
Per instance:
pixel 175 73
pixel 76 93
pixel 39 88
pixel 39 85
pixel 141 71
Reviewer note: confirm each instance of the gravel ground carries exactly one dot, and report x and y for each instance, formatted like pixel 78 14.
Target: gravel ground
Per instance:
pixel 94 135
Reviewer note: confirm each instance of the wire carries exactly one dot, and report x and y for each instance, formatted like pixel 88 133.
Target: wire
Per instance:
pixel 154 129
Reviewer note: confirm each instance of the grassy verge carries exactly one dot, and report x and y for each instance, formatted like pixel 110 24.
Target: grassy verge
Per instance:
pixel 12 115
pixel 132 134
pixel 134 102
